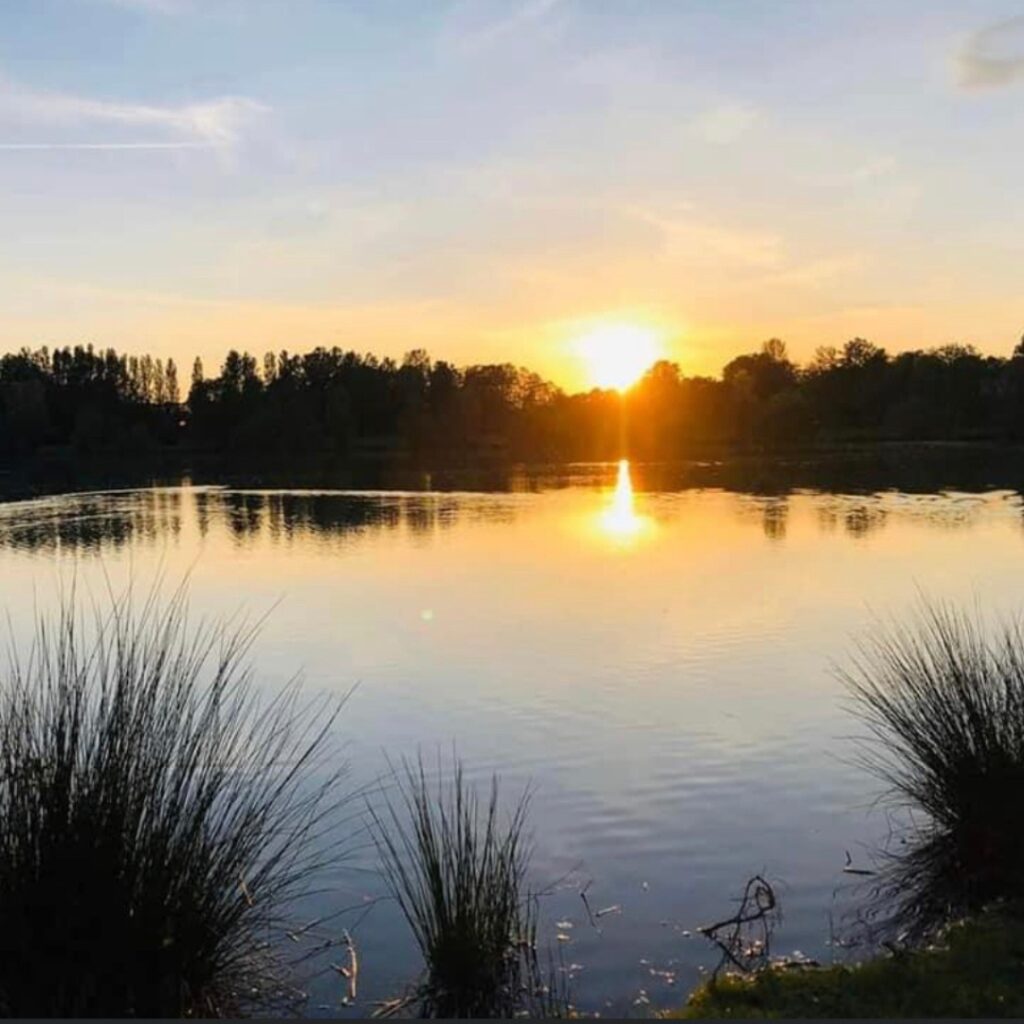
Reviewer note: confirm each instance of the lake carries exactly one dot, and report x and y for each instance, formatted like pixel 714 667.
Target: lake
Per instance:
pixel 656 660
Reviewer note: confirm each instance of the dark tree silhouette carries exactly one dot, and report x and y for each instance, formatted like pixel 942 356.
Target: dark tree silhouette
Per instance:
pixel 350 405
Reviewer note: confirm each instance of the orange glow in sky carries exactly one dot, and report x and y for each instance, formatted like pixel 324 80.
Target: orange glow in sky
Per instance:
pixel 636 177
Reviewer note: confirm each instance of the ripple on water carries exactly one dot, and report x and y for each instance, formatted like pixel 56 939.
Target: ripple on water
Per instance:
pixel 671 702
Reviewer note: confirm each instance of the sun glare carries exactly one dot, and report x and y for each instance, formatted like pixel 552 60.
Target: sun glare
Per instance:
pixel 617 355
pixel 619 521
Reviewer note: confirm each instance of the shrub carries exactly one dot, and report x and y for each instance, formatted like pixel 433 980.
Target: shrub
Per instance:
pixel 458 872
pixel 944 700
pixel 156 817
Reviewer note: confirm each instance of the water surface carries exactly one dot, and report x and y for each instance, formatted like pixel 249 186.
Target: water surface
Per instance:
pixel 655 661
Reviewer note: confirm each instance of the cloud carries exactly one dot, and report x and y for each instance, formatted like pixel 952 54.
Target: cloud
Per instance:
pixel 685 237
pixel 29 146
pixel 872 170
pixel 298 219
pixel 817 272
pixel 217 123
pixel 724 123
pixel 149 6
pixel 992 56
pixel 468 34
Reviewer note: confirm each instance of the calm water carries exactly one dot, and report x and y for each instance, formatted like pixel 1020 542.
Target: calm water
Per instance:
pixel 655 661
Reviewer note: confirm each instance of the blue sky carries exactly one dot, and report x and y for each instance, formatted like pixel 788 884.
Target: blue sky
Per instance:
pixel 490 179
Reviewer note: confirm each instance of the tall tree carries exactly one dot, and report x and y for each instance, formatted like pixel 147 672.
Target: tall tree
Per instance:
pixel 171 382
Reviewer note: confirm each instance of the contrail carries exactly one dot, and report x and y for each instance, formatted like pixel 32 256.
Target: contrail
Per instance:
pixel 104 145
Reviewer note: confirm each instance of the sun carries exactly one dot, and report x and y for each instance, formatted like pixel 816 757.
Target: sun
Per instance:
pixel 618 355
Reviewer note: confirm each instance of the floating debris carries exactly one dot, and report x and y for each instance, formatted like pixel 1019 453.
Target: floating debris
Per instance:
pixel 389 1007
pixel 586 905
pixel 245 892
pixel 669 977
pixel 849 869
pixel 563 925
pixel 351 972
pixel 305 928
pixel 796 959
pixel 563 937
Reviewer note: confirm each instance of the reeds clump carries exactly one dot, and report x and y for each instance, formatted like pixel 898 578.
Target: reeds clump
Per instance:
pixel 944 700
pixel 156 817
pixel 457 869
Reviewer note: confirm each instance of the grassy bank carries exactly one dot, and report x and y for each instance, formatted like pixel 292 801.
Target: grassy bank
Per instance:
pixel 975 970
pixel 942 696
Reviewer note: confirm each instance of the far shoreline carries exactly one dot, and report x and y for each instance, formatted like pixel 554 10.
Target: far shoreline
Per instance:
pixel 922 466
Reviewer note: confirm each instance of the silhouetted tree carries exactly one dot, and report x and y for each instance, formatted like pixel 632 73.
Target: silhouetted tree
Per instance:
pixel 173 392
pixel 347 404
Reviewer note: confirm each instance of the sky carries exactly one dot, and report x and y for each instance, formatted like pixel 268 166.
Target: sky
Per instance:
pixel 492 180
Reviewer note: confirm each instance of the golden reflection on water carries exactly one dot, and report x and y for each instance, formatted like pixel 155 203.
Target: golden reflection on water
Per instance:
pixel 619 521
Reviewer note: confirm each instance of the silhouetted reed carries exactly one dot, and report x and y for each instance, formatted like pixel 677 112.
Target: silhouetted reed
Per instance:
pixel 156 817
pixel 458 871
pixel 944 700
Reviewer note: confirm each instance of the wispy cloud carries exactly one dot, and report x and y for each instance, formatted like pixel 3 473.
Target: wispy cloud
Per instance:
pixel 876 168
pixel 684 237
pixel 466 31
pixel 29 146
pixel 149 6
pixel 217 123
pixel 870 171
pixel 817 272
pixel 724 123
pixel 992 56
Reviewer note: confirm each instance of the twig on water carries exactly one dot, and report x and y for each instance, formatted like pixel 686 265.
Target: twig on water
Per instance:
pixel 745 937
pixel 849 869
pixel 353 967
pixel 390 1007
pixel 586 905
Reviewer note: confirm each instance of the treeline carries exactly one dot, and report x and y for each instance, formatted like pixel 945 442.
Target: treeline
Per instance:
pixel 350 405
pixel 93 401
pixel 858 392
pixel 344 402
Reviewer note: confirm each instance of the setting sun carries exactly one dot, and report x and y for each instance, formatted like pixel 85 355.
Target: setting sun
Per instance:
pixel 617 355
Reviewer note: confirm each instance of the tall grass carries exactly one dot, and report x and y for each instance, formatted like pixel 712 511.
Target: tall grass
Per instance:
pixel 458 871
pixel 156 817
pixel 944 700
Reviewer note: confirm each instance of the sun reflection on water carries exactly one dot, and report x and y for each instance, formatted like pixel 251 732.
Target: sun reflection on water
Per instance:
pixel 620 521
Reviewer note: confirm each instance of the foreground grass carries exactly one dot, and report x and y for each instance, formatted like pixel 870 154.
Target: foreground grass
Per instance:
pixel 158 818
pixel 457 869
pixel 977 970
pixel 943 697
